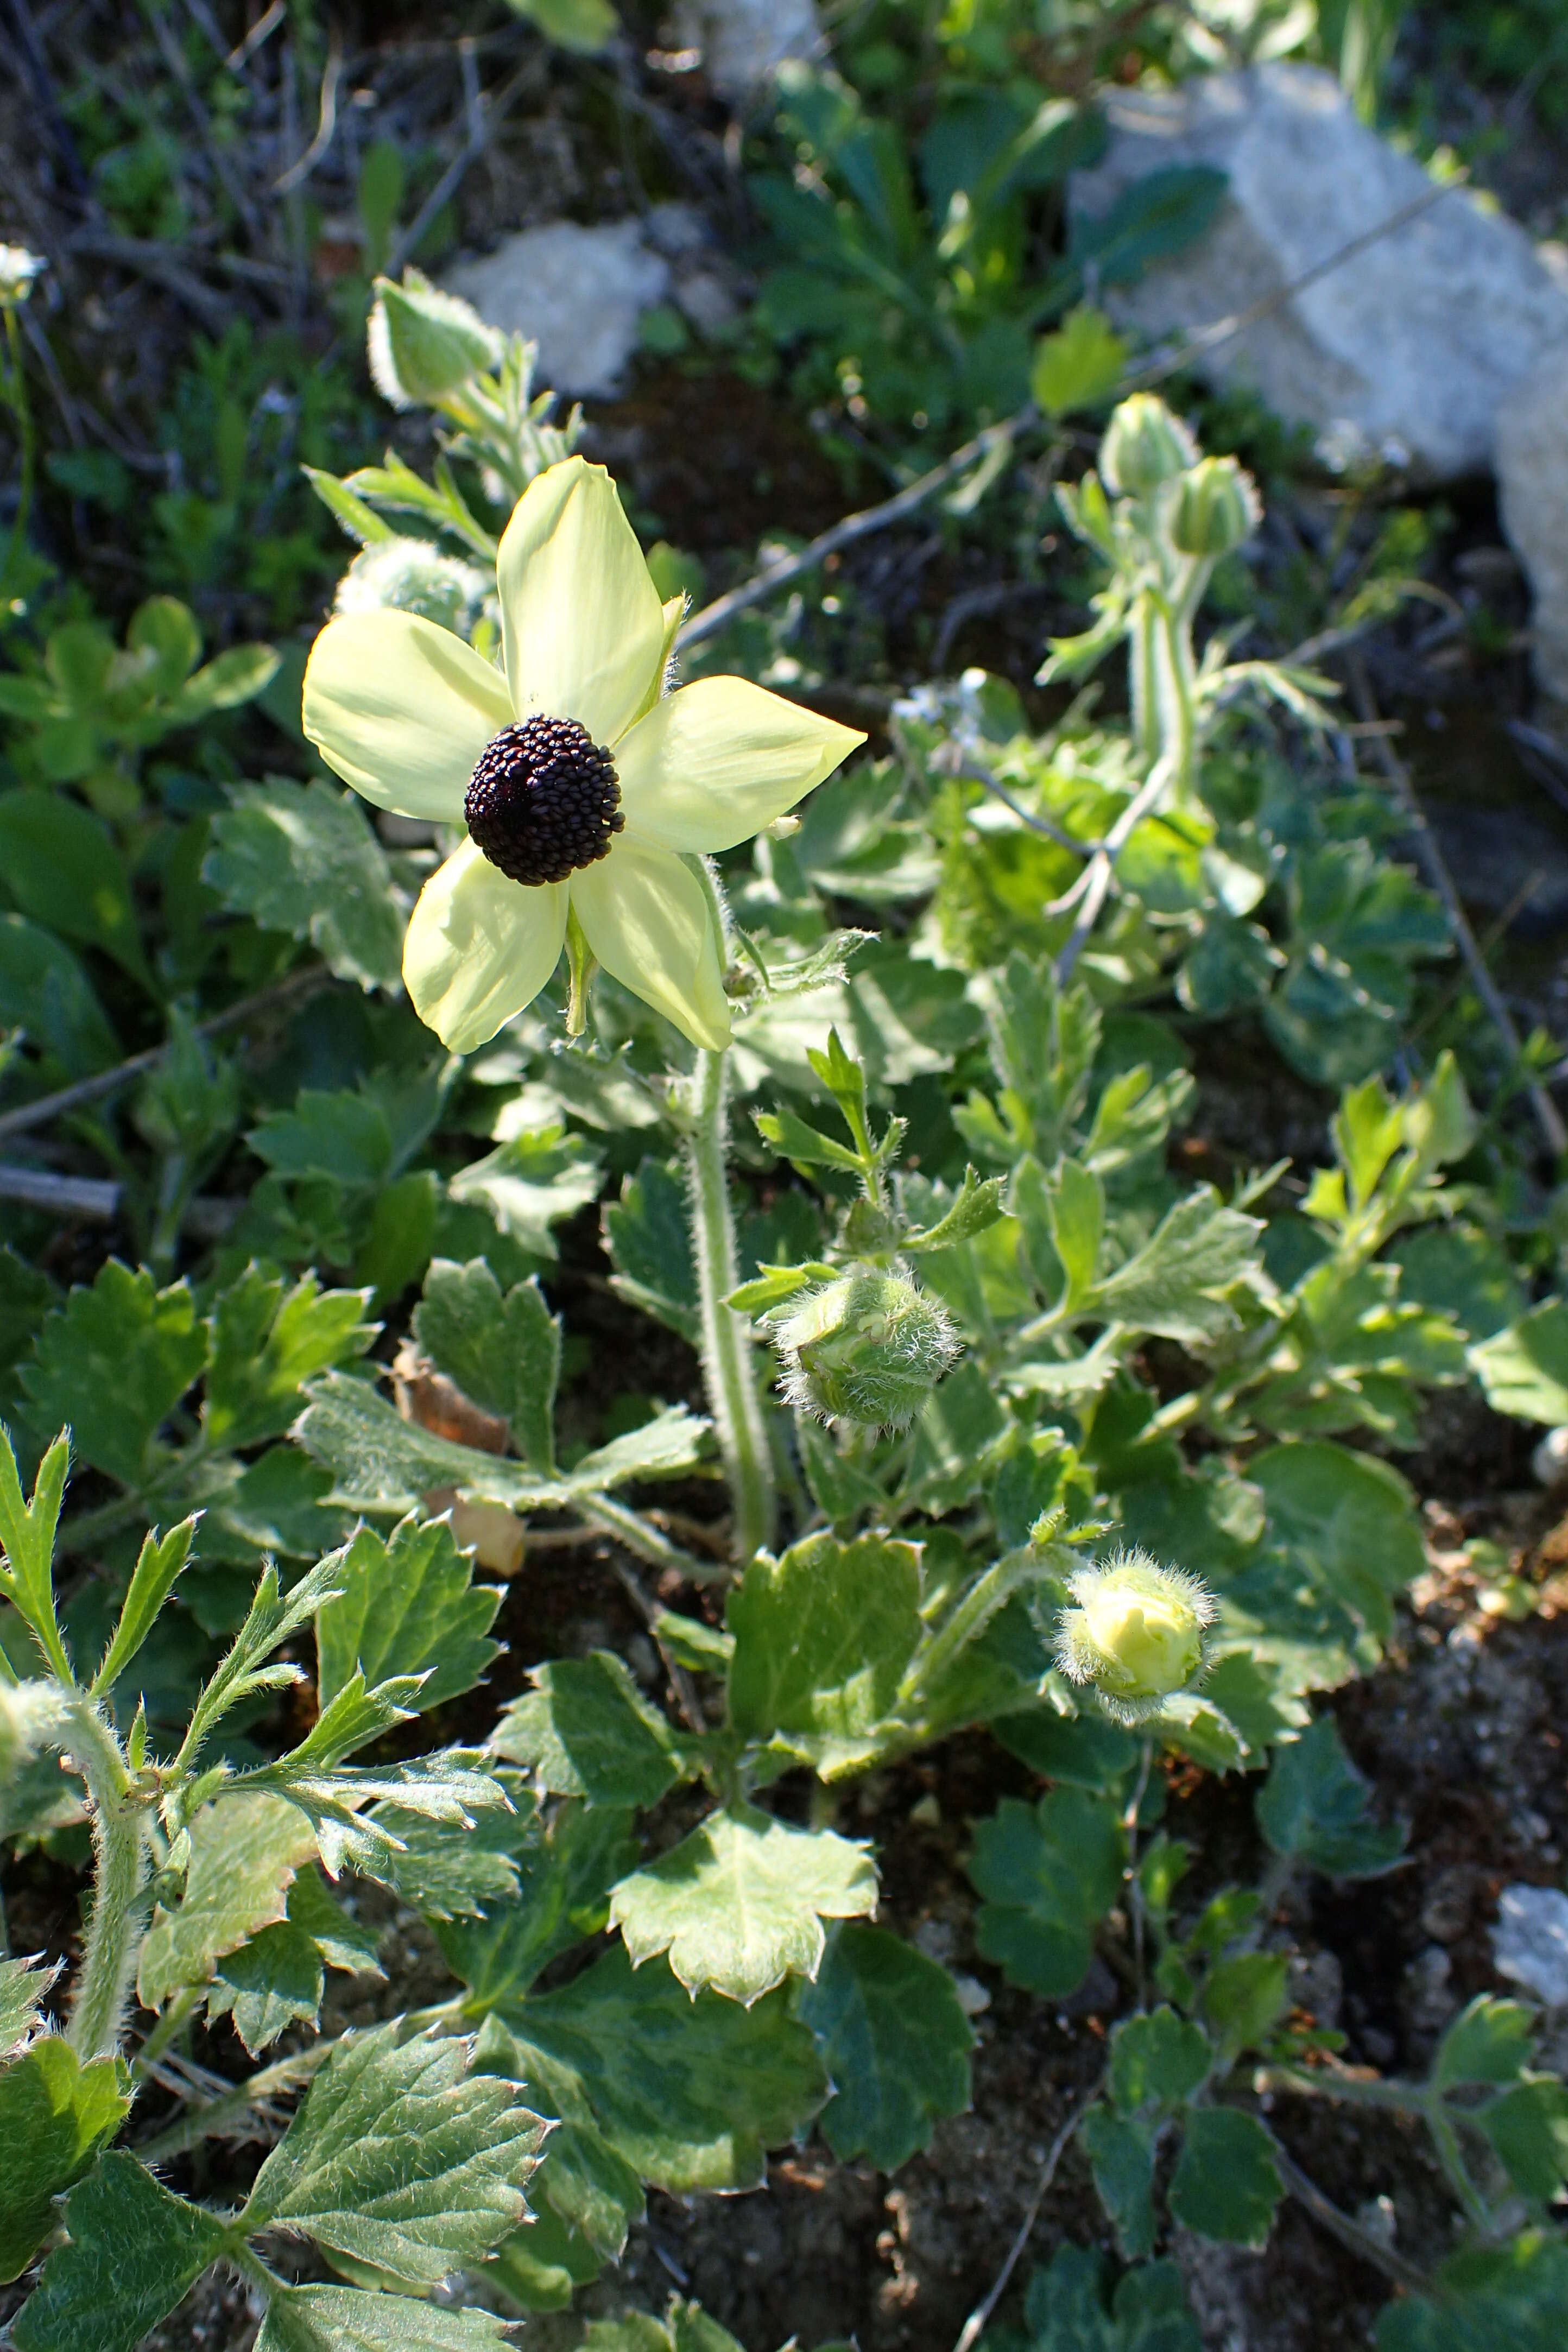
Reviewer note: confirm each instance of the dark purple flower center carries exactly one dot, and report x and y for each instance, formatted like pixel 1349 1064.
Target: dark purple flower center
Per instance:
pixel 544 801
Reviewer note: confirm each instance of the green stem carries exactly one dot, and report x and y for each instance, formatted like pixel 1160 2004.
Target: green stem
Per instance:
pixel 21 408
pixel 633 1531
pixel 168 2026
pixel 733 1395
pixel 119 1881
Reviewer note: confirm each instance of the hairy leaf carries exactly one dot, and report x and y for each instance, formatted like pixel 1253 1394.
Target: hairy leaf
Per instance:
pixel 244 1851
pixel 407 1605
pixel 304 858
pixel 895 2041
pixel 1315 1806
pixel 1524 1370
pixel 266 1340
pixel 133 2250
pixel 112 1363
pixel 565 1869
pixel 822 1638
pixel 716 2082
pixel 55 2116
pixel 1048 1875
pixel 1069 2308
pixel 503 1351
pixel 344 2319
pixel 1513 2296
pixel 586 1730
pixel 738 1904
pixel 1226 2183
pixel 400 2158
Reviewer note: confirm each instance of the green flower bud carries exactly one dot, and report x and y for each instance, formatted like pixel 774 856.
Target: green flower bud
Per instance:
pixel 868 1349
pixel 425 344
pixel 1217 508
pixel 1144 446
pixel 411 576
pixel 1138 1635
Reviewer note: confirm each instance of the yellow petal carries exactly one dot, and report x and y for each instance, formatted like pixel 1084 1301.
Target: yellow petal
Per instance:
pixel 479 947
pixel 582 624
pixel 711 764
pixel 402 709
pixel 645 916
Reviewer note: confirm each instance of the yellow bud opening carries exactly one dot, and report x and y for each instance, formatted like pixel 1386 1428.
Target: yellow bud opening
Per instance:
pixel 1154 1638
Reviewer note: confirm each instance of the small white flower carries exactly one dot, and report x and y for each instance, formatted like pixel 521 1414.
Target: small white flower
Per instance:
pixel 18 268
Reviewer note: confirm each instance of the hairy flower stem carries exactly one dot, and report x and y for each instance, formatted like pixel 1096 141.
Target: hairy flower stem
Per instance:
pixel 120 1886
pixel 733 1395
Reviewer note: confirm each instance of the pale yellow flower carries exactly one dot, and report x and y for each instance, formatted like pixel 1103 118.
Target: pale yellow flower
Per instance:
pixel 595 787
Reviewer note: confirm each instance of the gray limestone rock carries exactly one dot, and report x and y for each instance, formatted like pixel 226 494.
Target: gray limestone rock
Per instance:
pixel 743 41
pixel 1407 348
pixel 1533 483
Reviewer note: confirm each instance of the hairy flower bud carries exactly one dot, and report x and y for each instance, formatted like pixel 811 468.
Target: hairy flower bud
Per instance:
pixel 424 344
pixel 409 575
pixel 868 1348
pixel 1144 446
pixel 1139 1633
pixel 1217 508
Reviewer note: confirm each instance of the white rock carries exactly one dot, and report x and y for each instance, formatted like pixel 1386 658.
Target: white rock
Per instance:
pixel 743 41
pixel 578 292
pixel 1529 1942
pixel 1407 348
pixel 1532 479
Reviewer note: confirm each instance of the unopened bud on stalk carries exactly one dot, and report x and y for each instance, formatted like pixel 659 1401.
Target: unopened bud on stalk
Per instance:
pixel 1144 446
pixel 424 343
pixel 1217 509
pixel 1139 1633
pixel 409 575
pixel 868 1349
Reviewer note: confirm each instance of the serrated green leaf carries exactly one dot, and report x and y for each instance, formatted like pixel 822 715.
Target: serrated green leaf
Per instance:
pixel 304 858
pixel 1528 2126
pixel 406 1605
pixel 654 1449
pixel 977 1205
pixel 586 1730
pixel 1122 2156
pixel 133 2251
pixel 738 1904
pixel 1157 2061
pixel 503 1351
pixel 648 1234
pixel 1080 365
pixel 565 1869
pixel 703 1648
pixel 1315 1806
pixel 824 1636
pixel 342 1941
pixel 112 1363
pixel 542 2267
pixel 807 1146
pixel 895 2041
pixel 382 1463
pixel 1349 1520
pixel 1513 2296
pixel 28 1529
pixel 267 1340
pixel 274 1980
pixel 1226 2183
pixel 716 2082
pixel 400 2158
pixel 437 1788
pixel 25 1986
pixel 447 1877
pixel 1048 1875
pixel 530 1182
pixel 685 2327
pixel 244 1850
pixel 55 2116
pixel 1069 2308
pixel 1524 1370
pixel 1173 1286
pixel 343 2319
pixel 158 1564
pixel 1490 2041
pixel 1243 1998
